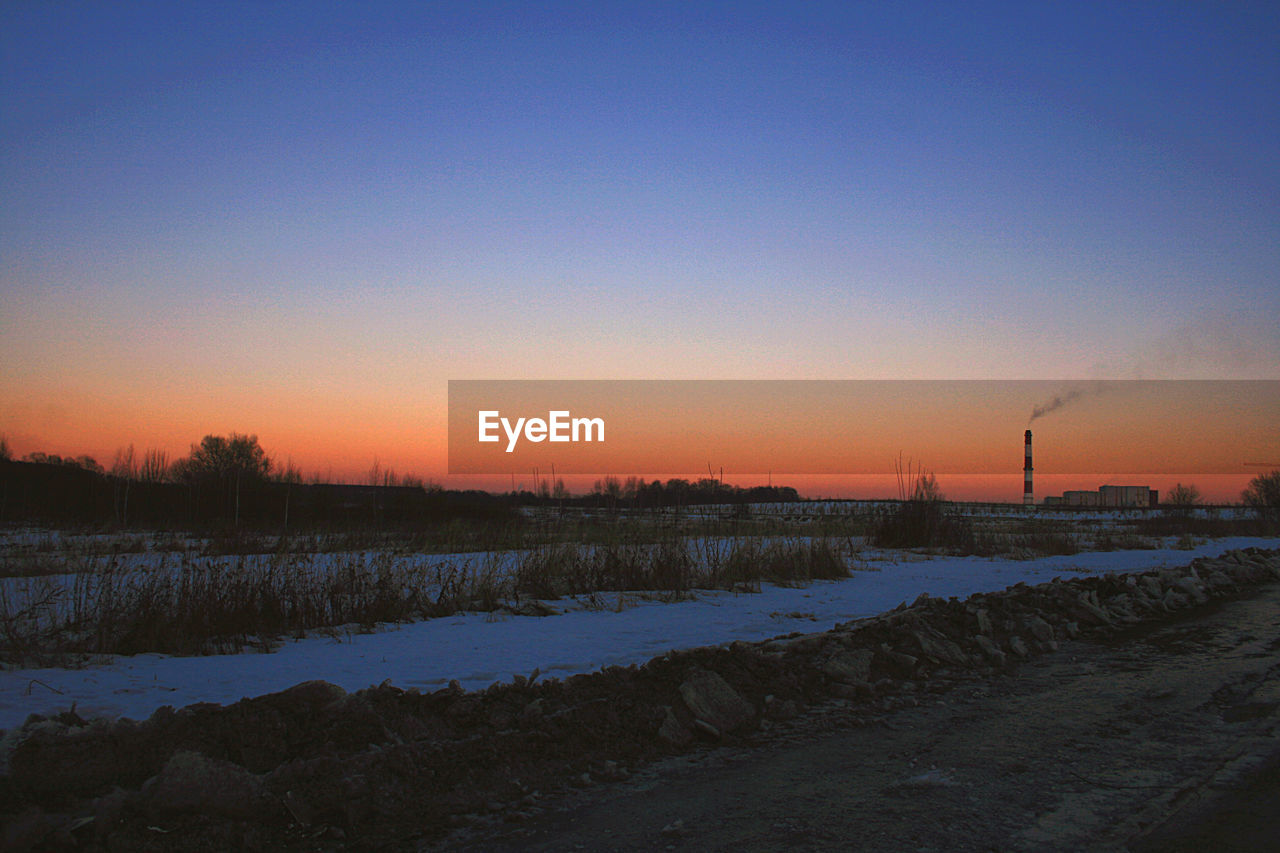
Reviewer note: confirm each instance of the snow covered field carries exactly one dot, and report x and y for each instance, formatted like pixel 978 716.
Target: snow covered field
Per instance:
pixel 478 649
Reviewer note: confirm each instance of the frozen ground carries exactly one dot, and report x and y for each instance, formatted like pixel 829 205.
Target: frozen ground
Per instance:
pixel 477 649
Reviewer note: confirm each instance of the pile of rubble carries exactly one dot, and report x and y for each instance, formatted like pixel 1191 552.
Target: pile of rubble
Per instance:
pixel 315 766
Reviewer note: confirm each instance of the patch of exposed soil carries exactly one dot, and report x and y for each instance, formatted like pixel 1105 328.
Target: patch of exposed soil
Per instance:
pixel 959 721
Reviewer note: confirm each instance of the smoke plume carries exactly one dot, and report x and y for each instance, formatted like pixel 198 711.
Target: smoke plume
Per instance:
pixel 1212 348
pixel 1056 403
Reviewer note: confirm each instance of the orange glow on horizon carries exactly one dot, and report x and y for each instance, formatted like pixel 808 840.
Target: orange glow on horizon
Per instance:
pixel 974 449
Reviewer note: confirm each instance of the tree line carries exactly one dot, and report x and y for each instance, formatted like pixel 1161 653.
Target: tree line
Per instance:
pixel 232 480
pixel 225 480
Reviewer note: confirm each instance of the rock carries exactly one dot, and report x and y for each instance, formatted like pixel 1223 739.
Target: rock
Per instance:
pixel 901 661
pixel 1174 600
pixel 1218 581
pixel 849 667
pixel 1241 573
pixel 1192 588
pixel 1092 611
pixel 984 622
pixel 1040 629
pixel 941 649
pixel 712 701
pixel 1018 647
pixel 776 709
pixel 313 694
pixel 673 731
pixel 1119 608
pixel 849 691
pixel 707 729
pixel 989 649
pixel 194 783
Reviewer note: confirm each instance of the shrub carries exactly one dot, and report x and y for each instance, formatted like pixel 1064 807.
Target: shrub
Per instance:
pixel 923 524
pixel 1181 497
pixel 1263 494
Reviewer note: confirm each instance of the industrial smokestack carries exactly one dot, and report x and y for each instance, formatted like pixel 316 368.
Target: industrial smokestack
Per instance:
pixel 1028 498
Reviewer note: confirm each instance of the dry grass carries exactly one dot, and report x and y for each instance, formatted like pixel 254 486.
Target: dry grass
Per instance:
pixel 86 593
pixel 194 603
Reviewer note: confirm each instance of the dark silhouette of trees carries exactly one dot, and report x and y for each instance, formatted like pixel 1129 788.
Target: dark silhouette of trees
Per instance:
pixel 216 457
pixel 227 467
pixel 155 467
pixel 86 463
pixel 1263 494
pixel 1180 500
pixel 225 478
pixel 124 472
pixel 1182 495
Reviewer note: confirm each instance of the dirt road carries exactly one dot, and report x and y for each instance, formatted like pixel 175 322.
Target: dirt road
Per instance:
pixel 1162 738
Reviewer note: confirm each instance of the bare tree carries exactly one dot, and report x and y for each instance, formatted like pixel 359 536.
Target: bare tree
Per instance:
pixel 631 488
pixel 287 473
pixel 125 465
pixel 1183 495
pixel 1263 494
pixel 612 488
pixel 155 467
pixel 125 471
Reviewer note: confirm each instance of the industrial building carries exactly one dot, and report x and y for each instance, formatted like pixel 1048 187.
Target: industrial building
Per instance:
pixel 1113 496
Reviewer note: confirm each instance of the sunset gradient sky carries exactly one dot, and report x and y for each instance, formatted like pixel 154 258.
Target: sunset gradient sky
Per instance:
pixel 301 219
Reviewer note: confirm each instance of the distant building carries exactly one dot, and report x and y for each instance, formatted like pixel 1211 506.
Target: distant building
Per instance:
pixel 1118 496
pixel 1127 496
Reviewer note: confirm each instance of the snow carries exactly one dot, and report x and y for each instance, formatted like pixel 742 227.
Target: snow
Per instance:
pixel 478 649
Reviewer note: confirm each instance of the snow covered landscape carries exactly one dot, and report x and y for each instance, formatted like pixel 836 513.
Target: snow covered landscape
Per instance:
pixel 586 633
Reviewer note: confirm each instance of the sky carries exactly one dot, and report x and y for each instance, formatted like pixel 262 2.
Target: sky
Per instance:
pixel 300 220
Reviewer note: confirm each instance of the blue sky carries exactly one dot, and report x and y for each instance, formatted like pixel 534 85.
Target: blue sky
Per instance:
pixel 295 218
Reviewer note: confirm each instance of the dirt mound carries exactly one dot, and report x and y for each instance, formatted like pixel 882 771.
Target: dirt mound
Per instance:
pixel 315 766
